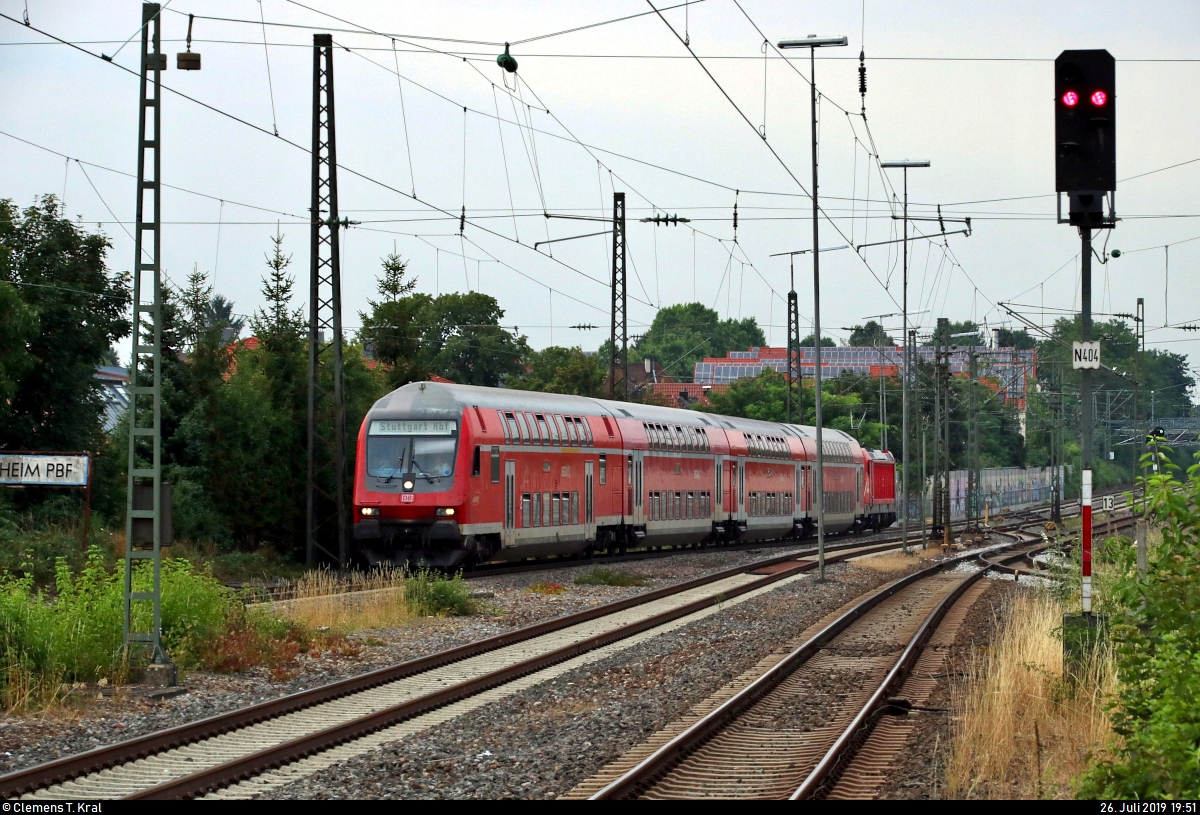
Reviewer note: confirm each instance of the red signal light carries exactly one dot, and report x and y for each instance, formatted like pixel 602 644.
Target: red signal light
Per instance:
pixel 1099 98
pixel 1070 99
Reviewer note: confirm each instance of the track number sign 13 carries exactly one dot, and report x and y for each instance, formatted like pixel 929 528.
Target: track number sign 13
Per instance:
pixel 1085 354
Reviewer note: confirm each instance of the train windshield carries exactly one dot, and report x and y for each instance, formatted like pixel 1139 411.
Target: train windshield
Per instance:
pixel 424 448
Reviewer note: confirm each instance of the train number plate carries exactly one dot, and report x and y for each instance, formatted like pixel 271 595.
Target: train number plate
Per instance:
pixel 407 498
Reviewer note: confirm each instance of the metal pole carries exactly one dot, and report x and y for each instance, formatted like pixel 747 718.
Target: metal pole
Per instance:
pixel 816 253
pixel 904 379
pixel 146 359
pixel 1085 410
pixel 326 476
pixel 924 528
pixel 795 378
pixel 618 355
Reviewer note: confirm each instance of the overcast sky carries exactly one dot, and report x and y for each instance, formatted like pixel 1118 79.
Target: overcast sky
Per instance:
pixel 967 86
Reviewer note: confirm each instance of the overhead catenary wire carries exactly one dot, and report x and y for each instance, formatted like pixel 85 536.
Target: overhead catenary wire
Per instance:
pixel 267 56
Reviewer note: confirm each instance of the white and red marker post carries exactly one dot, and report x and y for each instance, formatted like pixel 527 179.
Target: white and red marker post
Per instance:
pixel 1086 510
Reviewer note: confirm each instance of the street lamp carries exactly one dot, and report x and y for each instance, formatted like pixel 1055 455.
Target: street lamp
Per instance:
pixel 905 164
pixel 812 43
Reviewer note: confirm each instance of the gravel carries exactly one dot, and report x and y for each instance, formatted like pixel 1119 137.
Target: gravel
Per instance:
pixel 543 741
pixel 919 770
pixel 90 719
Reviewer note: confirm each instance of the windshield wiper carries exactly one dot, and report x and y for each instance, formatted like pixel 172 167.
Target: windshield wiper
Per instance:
pixel 421 470
pixel 397 467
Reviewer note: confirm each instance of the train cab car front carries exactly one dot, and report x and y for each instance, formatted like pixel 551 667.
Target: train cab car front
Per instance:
pixel 407 505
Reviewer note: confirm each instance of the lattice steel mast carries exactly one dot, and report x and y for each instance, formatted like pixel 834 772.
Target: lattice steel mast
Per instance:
pixel 618 355
pixel 325 527
pixel 144 510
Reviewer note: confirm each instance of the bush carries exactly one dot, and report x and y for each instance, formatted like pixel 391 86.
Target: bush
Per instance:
pixel 430 593
pixel 75 635
pixel 604 576
pixel 1157 639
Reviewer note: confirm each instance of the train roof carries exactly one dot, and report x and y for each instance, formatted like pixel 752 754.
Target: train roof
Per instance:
pixel 448 400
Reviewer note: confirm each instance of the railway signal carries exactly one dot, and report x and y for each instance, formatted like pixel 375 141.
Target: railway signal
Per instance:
pixel 1085 168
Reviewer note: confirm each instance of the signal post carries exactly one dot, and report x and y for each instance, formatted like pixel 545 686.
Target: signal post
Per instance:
pixel 1086 170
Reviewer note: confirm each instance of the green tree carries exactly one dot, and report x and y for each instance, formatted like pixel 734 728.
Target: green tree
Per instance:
pixel 20 328
pixel 561 370
pixel 1020 339
pixel 71 310
pixel 683 334
pixel 389 330
pixel 463 340
pixel 826 342
pixel 1156 633
pixel 971 334
pixel 870 335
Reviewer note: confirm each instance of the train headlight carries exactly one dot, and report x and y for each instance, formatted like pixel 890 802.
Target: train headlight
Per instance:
pixel 444 512
pixel 408 485
pixel 370 512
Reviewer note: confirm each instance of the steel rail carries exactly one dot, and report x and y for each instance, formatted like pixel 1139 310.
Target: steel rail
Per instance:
pixel 700 731
pixel 841 748
pixel 70 767
pixel 252 764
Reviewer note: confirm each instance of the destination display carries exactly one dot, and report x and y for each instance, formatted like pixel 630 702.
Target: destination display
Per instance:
pixel 408 427
pixel 38 470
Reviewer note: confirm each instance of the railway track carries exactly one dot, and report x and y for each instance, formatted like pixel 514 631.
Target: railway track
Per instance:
pixel 808 723
pixel 323 725
pixel 195 759
pixel 276 592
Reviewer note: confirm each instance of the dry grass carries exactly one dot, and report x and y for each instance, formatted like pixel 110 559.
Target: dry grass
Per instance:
pixel 547 588
pixel 895 561
pixel 1020 730
pixel 356 602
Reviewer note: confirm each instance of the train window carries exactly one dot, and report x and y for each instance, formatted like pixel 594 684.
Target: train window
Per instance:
pixel 543 433
pixel 525 510
pixel 587 432
pixel 603 469
pixel 555 516
pixel 504 427
pixel 660 434
pixel 562 429
pixel 678 505
pixel 651 438
pixel 691 504
pixel 570 436
pixel 545 509
pixel 680 442
pixel 549 429
pixel 475 462
pixel 537 509
pixel 574 507
pixel 523 431
pixel 496 464
pixel 629 470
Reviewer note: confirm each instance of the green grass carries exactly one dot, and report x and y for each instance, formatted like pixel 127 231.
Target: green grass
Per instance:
pixel 604 576
pixel 49 640
pixel 432 594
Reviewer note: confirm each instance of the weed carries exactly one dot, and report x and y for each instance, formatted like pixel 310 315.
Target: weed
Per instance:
pixel 354 602
pixel 604 576
pixel 432 594
pixel 547 588
pixel 1021 731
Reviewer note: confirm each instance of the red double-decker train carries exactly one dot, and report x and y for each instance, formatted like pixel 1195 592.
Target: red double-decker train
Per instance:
pixel 449 474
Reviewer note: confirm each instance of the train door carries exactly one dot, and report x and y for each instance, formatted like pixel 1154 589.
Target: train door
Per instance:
pixel 589 503
pixel 639 492
pixel 718 505
pixel 797 503
pixel 508 537
pixel 741 488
